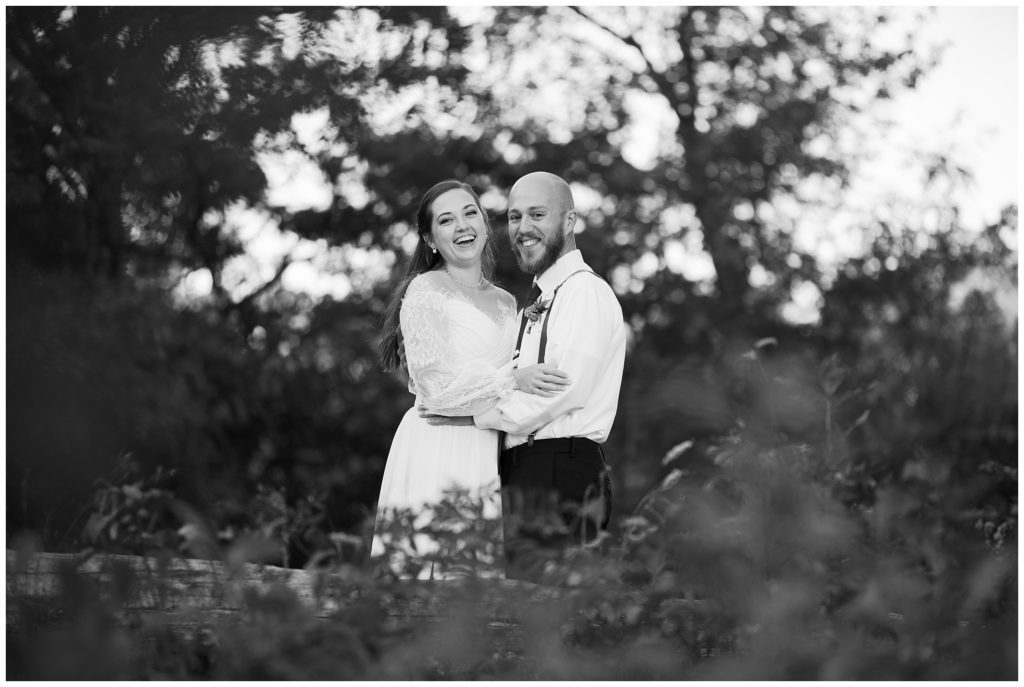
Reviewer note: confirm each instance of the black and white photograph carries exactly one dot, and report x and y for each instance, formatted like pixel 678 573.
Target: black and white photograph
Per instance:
pixel 512 343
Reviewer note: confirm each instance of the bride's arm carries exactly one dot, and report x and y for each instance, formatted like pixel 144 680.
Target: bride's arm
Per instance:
pixel 540 380
pixel 445 384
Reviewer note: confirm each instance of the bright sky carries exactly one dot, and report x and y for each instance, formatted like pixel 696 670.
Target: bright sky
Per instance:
pixel 971 101
pixel 967 106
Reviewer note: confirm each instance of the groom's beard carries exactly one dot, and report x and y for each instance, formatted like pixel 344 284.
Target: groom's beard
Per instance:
pixel 546 259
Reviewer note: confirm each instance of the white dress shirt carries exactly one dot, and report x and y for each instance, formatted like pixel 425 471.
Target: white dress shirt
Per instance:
pixel 587 340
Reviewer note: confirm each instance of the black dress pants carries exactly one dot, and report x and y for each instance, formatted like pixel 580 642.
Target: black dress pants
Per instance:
pixel 555 493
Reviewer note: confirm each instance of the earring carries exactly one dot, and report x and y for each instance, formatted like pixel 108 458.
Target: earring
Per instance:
pixel 433 250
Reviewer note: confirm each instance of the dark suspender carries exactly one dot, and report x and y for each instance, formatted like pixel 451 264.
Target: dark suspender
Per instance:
pixel 519 341
pixel 543 341
pixel 546 316
pixel 544 327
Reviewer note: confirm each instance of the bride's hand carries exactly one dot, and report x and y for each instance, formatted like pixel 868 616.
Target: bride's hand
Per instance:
pixel 543 379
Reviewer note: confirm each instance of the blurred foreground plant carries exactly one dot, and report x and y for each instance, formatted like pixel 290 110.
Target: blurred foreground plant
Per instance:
pixel 757 566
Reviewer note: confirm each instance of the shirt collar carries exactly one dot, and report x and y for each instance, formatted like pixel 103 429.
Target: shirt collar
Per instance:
pixel 557 273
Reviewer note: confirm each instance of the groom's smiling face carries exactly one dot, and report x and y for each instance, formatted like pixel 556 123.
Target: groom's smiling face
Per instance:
pixel 537 224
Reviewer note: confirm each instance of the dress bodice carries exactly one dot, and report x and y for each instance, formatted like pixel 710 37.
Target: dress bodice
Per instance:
pixel 478 334
pixel 458 348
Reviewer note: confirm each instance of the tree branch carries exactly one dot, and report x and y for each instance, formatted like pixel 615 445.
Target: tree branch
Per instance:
pixel 657 76
pixel 688 120
pixel 46 81
pixel 249 298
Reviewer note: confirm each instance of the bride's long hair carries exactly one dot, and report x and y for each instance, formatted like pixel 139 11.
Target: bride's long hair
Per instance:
pixel 423 259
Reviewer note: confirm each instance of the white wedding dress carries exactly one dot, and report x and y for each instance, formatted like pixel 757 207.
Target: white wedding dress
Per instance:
pixel 458 348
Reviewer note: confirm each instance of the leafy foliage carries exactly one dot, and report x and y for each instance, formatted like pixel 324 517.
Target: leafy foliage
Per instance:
pixel 134 133
pixel 841 499
pixel 758 572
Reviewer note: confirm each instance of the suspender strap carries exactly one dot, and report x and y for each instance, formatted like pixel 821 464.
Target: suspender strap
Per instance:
pixel 519 341
pixel 547 315
pixel 543 332
pixel 544 328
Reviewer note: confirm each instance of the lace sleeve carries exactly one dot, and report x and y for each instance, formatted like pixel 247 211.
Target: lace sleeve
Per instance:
pixel 443 383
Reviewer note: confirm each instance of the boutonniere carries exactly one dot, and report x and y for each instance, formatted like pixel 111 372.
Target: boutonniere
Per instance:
pixel 538 308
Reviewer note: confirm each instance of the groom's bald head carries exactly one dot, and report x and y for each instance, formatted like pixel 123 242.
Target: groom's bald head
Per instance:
pixel 550 186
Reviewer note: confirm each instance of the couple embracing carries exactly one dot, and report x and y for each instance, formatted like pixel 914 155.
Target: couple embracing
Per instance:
pixel 516 402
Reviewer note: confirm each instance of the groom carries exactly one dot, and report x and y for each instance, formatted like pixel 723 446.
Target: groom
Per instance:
pixel 552 462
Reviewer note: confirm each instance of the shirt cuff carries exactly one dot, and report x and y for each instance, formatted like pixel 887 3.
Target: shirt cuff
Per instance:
pixel 489 419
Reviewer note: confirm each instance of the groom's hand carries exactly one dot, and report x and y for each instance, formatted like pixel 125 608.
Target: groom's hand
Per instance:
pixel 456 421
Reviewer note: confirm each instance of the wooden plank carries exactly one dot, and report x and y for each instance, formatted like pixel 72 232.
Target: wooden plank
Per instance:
pixel 189 593
pixel 159 584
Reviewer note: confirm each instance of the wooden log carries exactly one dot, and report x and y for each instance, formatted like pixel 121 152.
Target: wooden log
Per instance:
pixel 187 594
pixel 164 584
pixel 183 594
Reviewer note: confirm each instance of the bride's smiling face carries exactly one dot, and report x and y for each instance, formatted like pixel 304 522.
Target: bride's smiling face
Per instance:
pixel 457 228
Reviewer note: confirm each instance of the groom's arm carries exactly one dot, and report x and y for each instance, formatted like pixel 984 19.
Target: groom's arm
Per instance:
pixel 581 328
pixel 453 420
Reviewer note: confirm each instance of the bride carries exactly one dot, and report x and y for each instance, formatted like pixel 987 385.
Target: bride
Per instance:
pixel 458 332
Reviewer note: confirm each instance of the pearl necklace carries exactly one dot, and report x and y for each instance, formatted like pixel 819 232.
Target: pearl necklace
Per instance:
pixel 479 285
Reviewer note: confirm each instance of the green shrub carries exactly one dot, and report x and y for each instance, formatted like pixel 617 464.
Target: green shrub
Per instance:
pixel 771 552
pixel 760 572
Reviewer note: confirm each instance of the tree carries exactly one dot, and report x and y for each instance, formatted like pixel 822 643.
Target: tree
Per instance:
pixel 758 96
pixel 135 133
pixel 132 132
